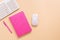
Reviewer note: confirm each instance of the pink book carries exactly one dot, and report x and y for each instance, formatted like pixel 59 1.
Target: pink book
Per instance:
pixel 20 24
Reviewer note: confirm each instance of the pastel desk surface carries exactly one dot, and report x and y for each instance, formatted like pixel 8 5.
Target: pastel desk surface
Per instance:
pixel 49 20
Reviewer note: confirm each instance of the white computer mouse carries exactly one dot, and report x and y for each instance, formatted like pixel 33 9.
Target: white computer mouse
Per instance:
pixel 34 19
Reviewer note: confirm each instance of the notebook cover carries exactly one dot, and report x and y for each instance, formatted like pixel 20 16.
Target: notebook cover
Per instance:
pixel 20 24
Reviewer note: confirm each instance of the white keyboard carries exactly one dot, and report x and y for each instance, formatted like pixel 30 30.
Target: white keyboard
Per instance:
pixel 7 7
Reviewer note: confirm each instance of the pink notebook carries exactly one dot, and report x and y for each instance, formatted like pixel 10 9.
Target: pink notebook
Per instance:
pixel 20 24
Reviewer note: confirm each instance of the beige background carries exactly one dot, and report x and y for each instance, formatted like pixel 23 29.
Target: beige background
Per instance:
pixel 49 20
